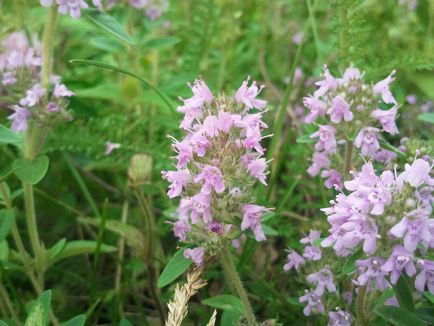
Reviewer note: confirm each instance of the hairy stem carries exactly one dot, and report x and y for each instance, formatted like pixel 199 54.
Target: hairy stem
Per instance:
pixel 343 32
pixel 348 157
pixel 232 274
pixel 360 307
pixel 47 41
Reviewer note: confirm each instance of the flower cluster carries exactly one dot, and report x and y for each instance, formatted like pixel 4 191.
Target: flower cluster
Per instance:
pixel 322 280
pixel 389 218
pixel 348 112
pixel 71 7
pixel 217 165
pixel 18 58
pixel 20 69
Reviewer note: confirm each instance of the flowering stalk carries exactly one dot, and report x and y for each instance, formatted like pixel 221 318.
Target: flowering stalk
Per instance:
pixel 232 274
pixel 360 306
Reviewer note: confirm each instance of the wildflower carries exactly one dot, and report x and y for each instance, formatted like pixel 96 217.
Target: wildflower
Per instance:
pixel 196 255
pixel 367 141
pixel 19 118
pixel 317 108
pixel 178 179
pixel 110 147
pixel 252 220
pixel 319 161
pixel 339 318
pixel 399 260
pixel 387 119
pixel 326 141
pixel 247 95
pixel 212 179
pixel 314 303
pixel 256 169
pixel 339 110
pixel 333 178
pixel 425 278
pixel 323 281
pixel 371 274
pixel 329 83
pixel 382 88
pixel 60 90
pixel 294 261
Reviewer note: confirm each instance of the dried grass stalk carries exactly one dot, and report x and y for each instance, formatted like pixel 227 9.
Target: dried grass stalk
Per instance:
pixel 178 306
pixel 212 319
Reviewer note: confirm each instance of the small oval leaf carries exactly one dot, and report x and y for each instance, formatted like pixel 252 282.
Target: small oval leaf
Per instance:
pixel 31 171
pixel 176 266
pixel 225 302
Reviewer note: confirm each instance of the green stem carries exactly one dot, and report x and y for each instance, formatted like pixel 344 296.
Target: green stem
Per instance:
pixel 348 157
pixel 152 272
pixel 8 303
pixel 47 41
pixel 360 307
pixel 231 272
pixel 343 32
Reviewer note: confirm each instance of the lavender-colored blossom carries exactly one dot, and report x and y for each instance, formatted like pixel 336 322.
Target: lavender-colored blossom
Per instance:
pixel 323 281
pixel 256 169
pixel 425 278
pixel 328 83
pixel 110 147
pixel 196 255
pixel 327 140
pixel 399 261
pixel 247 95
pixel 339 318
pixel 371 273
pixel 60 90
pixel 181 228
pixel 387 119
pixel 314 303
pixel 316 107
pixel 19 118
pixel 367 141
pixel 33 95
pixel 178 180
pixel 332 179
pixel 72 7
pixel 294 261
pixel 339 110
pixel 415 174
pixel 212 179
pixel 382 88
pixel 252 220
pixel 319 161
pixel 414 228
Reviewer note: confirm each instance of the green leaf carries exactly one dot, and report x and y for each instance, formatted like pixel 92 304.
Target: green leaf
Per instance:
pixel 108 24
pixel 176 266
pixel 55 250
pixel 133 236
pixel 295 302
pixel 125 322
pixel 398 316
pixel 125 72
pixel 4 251
pixel 225 302
pixel 6 219
pixel 305 139
pixel 38 315
pixel 387 294
pixel 31 171
pixel 79 320
pixel 81 247
pixel 2 323
pixel 163 42
pixel 7 136
pixel 429 296
pixel 403 294
pixel 426 117
pixel 268 230
pixel 427 314
pixel 350 264
pixel 230 318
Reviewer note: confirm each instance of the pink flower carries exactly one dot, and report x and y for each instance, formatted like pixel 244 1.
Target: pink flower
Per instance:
pixel 19 118
pixel 211 126
pixel 257 168
pixel 382 88
pixel 60 90
pixel 387 119
pixel 33 95
pixel 319 161
pixel 328 83
pixel 247 95
pixel 317 108
pixel 294 261
pixel 200 144
pixel 225 121
pixel 425 276
pixel 339 110
pixel 351 74
pixel 180 229
pixel 399 260
pixel 178 180
pixel 333 179
pixel 416 174
pixel 196 255
pixel 367 140
pixel 110 147
pixel 314 303
pixel 323 281
pixel 212 179
pixel 252 220
pixel 326 141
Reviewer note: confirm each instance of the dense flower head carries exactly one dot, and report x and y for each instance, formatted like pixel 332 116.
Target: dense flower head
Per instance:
pixel 217 164
pixel 389 217
pixel 20 70
pixel 352 112
pixel 339 318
